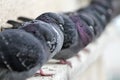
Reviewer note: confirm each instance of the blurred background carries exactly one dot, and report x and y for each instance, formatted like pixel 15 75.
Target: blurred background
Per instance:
pixel 111 54
pixel 11 9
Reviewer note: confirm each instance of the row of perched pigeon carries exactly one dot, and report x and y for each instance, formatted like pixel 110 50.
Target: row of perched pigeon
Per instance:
pixel 24 49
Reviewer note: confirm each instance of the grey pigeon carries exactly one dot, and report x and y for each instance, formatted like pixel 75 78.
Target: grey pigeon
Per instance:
pixel 21 54
pixel 67 26
pixel 53 36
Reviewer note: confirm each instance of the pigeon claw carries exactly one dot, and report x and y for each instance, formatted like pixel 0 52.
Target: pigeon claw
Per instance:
pixel 62 61
pixel 42 73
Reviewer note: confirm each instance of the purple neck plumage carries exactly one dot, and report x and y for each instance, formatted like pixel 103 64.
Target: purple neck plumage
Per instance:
pixel 83 30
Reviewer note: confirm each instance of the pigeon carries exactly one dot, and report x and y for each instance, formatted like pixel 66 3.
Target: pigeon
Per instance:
pixel 65 25
pixel 21 54
pixel 69 31
pixel 52 35
pixel 71 39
